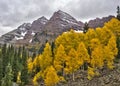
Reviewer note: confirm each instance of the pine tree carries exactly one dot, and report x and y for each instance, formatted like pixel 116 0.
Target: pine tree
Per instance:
pixel 7 79
pixel 86 27
pixel 15 67
pixel 24 71
pixel 4 57
pixel 1 68
pixel 118 13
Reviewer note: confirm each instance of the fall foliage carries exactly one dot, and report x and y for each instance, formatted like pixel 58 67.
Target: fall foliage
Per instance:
pixel 95 49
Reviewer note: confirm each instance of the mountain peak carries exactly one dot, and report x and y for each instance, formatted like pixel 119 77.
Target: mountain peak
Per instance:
pixel 42 18
pixel 60 11
pixel 60 15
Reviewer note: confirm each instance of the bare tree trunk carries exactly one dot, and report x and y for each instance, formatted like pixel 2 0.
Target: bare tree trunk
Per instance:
pixel 73 76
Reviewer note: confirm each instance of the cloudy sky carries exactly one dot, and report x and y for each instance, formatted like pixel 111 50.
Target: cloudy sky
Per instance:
pixel 15 12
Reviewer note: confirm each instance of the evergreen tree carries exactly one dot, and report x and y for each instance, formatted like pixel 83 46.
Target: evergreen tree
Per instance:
pixel 4 57
pixel 24 71
pixel 7 79
pixel 41 49
pixel 1 68
pixel 86 27
pixel 118 12
pixel 15 66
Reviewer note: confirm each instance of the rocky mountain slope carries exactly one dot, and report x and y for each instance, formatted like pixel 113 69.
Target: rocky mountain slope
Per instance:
pixel 58 23
pixel 99 22
pixel 106 78
pixel 42 29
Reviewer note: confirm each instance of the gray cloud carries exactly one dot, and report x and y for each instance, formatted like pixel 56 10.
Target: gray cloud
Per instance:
pixel 15 12
pixel 85 9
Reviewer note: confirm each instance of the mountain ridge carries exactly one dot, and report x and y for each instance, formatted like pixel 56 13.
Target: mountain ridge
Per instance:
pixel 42 29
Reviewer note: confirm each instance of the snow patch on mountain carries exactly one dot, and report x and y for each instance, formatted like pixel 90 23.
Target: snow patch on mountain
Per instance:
pixel 22 29
pixel 30 41
pixel 18 38
pixel 33 33
pixel 78 31
pixel 23 33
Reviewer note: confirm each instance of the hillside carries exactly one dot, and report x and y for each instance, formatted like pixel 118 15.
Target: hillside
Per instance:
pixel 107 78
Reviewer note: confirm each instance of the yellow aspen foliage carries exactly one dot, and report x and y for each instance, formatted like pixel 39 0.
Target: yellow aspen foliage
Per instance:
pixel 110 51
pixel 82 53
pixel 91 73
pixel 97 60
pixel 36 78
pixel 46 58
pixel 35 81
pixel 110 64
pixel 105 35
pixel 51 78
pixel 81 37
pixel 30 64
pixel 114 26
pixel 112 45
pixel 108 55
pixel 68 40
pixel 43 61
pixel 94 43
pixel 60 57
pixel 36 62
pixel 18 77
pixel 72 62
pixel 89 36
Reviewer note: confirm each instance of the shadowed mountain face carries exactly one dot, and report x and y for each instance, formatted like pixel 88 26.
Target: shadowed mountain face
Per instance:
pixel 99 22
pixel 38 24
pixel 42 29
